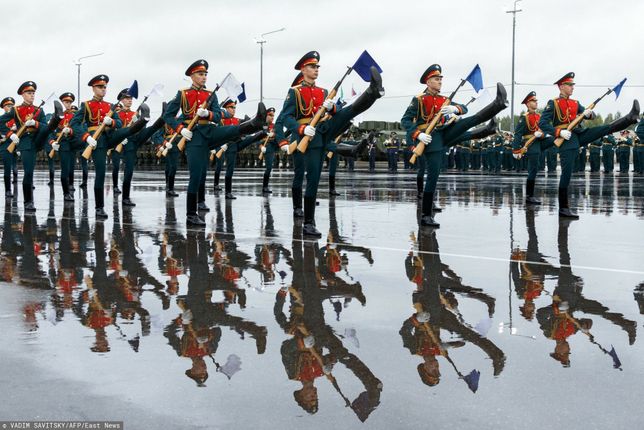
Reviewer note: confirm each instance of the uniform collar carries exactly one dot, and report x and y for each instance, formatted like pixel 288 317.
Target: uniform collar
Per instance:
pixel 96 99
pixel 561 96
pixel 306 84
pixel 25 104
pixel 197 88
pixel 430 94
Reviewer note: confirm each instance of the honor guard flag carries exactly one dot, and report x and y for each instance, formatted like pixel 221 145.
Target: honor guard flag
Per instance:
pixel 134 90
pixel 475 78
pixel 232 86
pixel 363 65
pixel 618 88
pixel 242 96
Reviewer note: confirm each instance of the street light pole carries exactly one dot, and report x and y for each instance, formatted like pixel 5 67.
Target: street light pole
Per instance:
pixel 514 12
pixel 261 42
pixel 78 71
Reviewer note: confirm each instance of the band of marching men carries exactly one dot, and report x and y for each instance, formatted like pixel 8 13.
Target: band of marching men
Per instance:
pixel 312 128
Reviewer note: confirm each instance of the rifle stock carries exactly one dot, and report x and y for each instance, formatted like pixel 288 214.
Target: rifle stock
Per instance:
pixel 87 153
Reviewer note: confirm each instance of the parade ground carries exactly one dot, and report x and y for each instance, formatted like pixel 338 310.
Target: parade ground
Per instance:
pixel 505 317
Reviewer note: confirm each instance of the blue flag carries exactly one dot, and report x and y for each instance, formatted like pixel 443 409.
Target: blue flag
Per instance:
pixel 242 96
pixel 618 88
pixel 475 78
pixel 472 379
pixel 363 65
pixel 616 363
pixel 134 90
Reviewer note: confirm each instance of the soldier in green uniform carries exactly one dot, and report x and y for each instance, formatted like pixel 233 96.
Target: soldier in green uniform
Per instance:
pixel 624 152
pixel 595 150
pixel 484 154
pixel 8 159
pixel 65 143
pixel 172 155
pixel 205 135
pixel 475 148
pixel 269 149
pixel 419 114
pixel 527 127
pixel 230 107
pixel 301 104
pixel 33 138
pixel 608 153
pixel 581 160
pixel 554 121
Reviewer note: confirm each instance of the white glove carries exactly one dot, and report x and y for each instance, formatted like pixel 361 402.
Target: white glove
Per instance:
pixel 588 113
pixel 168 145
pixel 91 141
pixel 213 151
pixel 565 134
pixel 327 368
pixel 203 113
pixel 563 306
pixel 14 128
pixel 449 110
pixel 328 104
pixel 30 123
pixel 309 341
pixel 224 147
pixel 425 138
pixel 516 156
pixel 270 135
pixel 538 134
pixel 263 149
pixel 55 146
pixel 284 148
pixel 309 131
pixel 66 130
pixel 124 142
pixel 15 139
pixel 107 121
pixel 422 317
pixel 186 316
pixel 453 117
pixel 186 133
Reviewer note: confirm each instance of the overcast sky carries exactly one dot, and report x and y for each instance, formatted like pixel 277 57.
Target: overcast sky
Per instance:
pixel 154 42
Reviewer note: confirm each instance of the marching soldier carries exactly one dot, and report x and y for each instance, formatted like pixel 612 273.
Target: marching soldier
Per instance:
pixel 554 121
pixel 90 117
pixel 419 114
pixel 528 127
pixel 371 150
pixel 608 153
pixel 65 143
pixel 624 152
pixel 171 158
pixel 132 143
pixel 230 107
pixel 205 135
pixel 32 118
pixel 475 149
pixel 268 149
pixel 301 104
pixel 127 118
pixel 393 145
pixel 595 150
pixel 8 159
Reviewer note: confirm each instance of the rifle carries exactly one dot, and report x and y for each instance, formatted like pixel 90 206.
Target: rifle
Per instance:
pixel 155 90
pixel 304 142
pixel 431 125
pixel 56 142
pixel 263 145
pixel 23 128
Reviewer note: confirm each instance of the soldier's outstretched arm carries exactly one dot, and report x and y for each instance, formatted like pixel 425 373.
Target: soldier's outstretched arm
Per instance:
pixel 78 124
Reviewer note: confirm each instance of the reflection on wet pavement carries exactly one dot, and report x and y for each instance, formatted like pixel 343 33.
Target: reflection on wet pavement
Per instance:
pixel 503 318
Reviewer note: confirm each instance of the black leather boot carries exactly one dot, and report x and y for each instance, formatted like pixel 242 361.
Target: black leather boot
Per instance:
pixel 296 194
pixel 529 193
pixel 631 118
pixel 228 185
pixel 256 124
pixel 564 210
pixel 427 216
pixel 419 187
pixel 99 199
pixel 332 191
pixel 192 218
pixel 371 94
pixel 309 218
pixel 265 189
pixel 499 103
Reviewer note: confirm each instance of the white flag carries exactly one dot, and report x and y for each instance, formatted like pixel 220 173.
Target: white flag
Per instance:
pixel 231 85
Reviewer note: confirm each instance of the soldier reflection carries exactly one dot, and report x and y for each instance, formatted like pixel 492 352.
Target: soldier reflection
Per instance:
pixel 557 320
pixel 314 349
pixel 436 309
